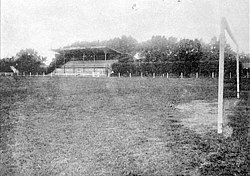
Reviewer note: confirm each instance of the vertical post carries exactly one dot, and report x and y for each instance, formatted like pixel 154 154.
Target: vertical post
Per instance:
pixel 153 75
pixel 43 74
pixel 141 74
pixel 181 75
pixel 130 75
pixel 248 73
pixel 230 75
pixel 73 64
pixel 197 76
pixel 238 74
pixel 94 62
pixel 163 75
pixel 30 73
pixel 64 63
pixel 119 74
pixel 221 79
pixel 212 74
pixel 167 75
pixel 105 58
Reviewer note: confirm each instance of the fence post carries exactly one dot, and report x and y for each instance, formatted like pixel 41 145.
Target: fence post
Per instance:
pixel 167 75
pixel 43 74
pixel 36 74
pixel 130 75
pixel 197 75
pixel 181 75
pixel 141 74
pixel 119 74
pixel 153 75
pixel 230 75
pixel 163 75
pixel 212 74
pixel 23 73
pixel 30 73
pixel 247 74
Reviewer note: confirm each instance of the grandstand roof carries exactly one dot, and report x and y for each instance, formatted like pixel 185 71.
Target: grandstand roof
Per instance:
pixel 94 49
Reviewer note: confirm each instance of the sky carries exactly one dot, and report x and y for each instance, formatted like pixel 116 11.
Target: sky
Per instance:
pixel 48 24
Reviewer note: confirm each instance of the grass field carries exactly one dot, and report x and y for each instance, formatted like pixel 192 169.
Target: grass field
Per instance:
pixel 101 126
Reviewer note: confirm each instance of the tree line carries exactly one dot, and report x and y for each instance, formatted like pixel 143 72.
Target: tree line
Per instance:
pixel 157 55
pixel 162 55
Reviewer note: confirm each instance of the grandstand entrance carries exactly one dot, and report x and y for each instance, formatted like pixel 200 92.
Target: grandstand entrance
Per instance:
pixel 83 61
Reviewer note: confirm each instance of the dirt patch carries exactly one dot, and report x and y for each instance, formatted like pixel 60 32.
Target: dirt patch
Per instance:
pixel 202 115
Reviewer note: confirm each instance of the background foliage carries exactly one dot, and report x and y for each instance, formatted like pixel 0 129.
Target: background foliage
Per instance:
pixel 26 61
pixel 158 55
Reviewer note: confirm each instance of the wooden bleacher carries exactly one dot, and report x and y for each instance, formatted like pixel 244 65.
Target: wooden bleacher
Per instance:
pixel 85 68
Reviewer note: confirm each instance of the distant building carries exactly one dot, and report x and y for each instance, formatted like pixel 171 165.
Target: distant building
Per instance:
pixel 87 61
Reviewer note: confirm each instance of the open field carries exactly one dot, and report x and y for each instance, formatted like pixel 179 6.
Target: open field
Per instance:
pixel 101 126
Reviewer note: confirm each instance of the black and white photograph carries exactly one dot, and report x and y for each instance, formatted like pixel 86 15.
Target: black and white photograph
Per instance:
pixel 125 88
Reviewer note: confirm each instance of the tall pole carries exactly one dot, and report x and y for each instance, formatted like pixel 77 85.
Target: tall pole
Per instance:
pixel 226 27
pixel 221 78
pixel 238 73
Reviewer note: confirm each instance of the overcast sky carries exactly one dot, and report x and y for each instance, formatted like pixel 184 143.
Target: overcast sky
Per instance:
pixel 46 24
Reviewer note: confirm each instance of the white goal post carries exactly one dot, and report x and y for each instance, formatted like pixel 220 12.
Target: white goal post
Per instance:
pixel 224 26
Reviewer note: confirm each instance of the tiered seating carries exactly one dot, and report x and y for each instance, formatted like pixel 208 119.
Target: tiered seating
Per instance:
pixel 85 68
pixel 89 64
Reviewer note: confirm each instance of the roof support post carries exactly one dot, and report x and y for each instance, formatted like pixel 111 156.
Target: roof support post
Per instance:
pixel 64 62
pixel 105 58
pixel 83 56
pixel 73 64
pixel 94 62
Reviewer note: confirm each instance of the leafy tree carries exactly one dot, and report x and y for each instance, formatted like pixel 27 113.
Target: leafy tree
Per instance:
pixel 28 61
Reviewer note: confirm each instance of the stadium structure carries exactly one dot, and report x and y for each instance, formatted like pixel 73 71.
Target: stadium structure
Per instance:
pixel 87 61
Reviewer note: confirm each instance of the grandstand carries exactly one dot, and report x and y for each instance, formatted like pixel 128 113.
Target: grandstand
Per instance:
pixel 87 61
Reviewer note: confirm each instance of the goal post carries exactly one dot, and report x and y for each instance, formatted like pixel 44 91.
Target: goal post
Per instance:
pixel 225 27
